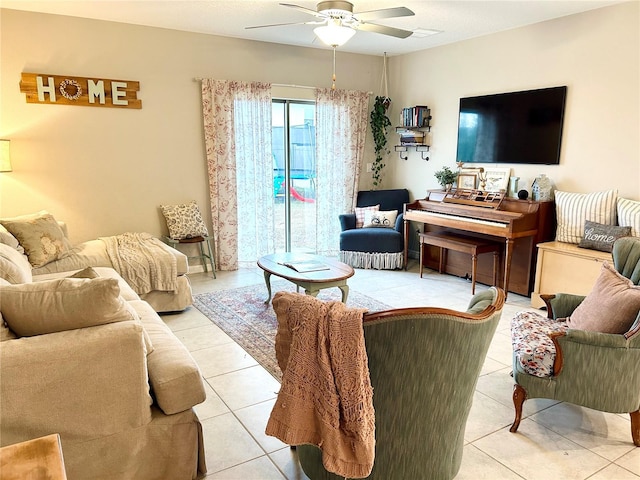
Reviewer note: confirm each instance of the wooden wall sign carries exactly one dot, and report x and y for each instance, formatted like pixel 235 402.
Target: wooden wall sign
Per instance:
pixel 88 92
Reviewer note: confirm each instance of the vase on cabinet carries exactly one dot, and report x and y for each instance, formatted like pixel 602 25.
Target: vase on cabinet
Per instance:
pixel 542 188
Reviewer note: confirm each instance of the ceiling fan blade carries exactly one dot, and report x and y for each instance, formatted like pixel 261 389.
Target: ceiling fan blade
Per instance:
pixel 384 30
pixel 281 24
pixel 304 9
pixel 383 13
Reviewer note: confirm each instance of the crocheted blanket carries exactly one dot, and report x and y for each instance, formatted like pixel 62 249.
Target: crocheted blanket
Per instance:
pixel 143 262
pixel 326 398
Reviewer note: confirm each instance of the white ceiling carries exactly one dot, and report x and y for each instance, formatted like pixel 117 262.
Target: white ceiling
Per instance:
pixel 455 19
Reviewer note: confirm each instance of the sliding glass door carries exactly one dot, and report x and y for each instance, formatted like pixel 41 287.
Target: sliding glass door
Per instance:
pixel 294 175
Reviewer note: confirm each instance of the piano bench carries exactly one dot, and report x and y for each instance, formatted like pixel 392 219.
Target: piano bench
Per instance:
pixel 470 245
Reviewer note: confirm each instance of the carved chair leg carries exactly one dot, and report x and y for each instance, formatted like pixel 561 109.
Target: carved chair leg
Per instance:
pixel 519 396
pixel 635 427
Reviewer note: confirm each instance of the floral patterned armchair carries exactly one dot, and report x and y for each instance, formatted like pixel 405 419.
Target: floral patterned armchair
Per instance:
pixel 588 368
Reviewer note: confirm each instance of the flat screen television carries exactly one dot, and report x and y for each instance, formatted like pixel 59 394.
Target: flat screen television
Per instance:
pixel 516 127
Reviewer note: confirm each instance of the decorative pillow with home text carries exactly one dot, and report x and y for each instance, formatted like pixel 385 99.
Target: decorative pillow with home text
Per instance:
pixel 601 237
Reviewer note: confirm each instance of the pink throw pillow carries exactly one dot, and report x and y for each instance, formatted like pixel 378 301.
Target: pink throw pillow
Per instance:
pixel 360 212
pixel 611 307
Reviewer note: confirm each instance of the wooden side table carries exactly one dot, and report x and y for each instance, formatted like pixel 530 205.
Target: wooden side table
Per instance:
pixel 37 459
pixel 203 257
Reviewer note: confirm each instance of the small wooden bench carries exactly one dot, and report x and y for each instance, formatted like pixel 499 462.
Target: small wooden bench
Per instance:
pixel 470 245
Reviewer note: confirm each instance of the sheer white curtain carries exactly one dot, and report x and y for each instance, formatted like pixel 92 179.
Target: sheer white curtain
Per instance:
pixel 341 128
pixel 237 133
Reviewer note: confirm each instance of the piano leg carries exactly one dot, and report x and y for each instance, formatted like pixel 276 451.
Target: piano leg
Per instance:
pixel 406 244
pixel 508 253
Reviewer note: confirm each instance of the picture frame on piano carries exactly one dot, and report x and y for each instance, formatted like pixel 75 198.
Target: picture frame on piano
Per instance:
pixel 467 180
pixel 496 179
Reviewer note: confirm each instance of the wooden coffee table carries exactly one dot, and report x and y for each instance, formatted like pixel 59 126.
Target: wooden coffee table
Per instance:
pixel 334 276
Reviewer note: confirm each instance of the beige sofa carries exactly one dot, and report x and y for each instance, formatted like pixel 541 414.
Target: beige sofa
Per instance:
pixel 32 230
pixel 120 390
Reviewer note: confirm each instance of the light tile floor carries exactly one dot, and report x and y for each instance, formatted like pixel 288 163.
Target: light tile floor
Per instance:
pixel 554 441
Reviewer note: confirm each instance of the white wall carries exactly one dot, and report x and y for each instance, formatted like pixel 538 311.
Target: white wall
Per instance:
pixel 104 170
pixel 596 54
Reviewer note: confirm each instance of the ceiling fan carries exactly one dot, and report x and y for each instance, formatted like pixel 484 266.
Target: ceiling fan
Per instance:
pixel 337 23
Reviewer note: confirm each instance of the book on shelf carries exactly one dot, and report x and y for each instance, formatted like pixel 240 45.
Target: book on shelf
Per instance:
pixel 412 139
pixel 306 266
pixel 418 116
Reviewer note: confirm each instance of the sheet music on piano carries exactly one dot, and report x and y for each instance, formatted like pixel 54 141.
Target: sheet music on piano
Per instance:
pixel 477 198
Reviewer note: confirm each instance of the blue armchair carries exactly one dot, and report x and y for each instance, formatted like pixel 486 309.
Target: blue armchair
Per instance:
pixel 379 248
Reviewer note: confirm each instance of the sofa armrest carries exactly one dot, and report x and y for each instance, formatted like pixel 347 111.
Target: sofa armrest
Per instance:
pixel 400 223
pixel 347 221
pixel 83 384
pixel 585 360
pixel 174 375
pixel 561 305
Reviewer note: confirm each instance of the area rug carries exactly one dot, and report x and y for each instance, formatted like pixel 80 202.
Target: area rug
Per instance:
pixel 243 315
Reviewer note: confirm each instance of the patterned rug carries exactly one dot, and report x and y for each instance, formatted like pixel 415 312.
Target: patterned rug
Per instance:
pixel 243 315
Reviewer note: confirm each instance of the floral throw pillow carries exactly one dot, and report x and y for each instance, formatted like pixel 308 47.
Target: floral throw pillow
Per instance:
pixel 184 221
pixel 40 235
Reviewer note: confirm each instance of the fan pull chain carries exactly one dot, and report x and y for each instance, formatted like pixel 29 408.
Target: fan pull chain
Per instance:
pixel 333 85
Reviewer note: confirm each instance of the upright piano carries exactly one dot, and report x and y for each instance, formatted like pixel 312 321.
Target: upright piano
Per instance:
pixel 519 224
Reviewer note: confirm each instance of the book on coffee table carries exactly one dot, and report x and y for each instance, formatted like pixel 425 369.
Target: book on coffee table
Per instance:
pixel 306 266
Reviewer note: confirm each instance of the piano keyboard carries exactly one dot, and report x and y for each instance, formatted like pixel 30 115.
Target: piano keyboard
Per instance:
pixel 421 213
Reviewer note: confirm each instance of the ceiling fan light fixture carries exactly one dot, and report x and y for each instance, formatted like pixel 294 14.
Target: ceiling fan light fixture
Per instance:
pixel 334 34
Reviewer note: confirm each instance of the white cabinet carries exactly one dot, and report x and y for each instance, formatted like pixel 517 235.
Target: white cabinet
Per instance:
pixel 566 268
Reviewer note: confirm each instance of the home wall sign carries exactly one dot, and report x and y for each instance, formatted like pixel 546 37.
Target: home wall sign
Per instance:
pixel 88 92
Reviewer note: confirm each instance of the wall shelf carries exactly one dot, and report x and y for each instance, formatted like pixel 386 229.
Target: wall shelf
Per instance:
pixel 413 131
pixel 422 148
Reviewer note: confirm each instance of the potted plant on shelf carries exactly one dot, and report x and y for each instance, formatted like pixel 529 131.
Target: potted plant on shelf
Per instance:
pixel 379 123
pixel 446 177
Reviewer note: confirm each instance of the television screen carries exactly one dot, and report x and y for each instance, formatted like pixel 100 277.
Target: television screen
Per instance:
pixel 516 127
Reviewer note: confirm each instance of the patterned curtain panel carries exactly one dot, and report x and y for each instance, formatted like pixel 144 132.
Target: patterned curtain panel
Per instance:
pixel 341 127
pixel 237 133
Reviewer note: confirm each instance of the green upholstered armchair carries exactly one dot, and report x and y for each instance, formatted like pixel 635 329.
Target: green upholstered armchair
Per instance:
pixel 591 369
pixel 424 364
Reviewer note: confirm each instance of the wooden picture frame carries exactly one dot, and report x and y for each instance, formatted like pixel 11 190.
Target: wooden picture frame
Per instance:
pixel 467 180
pixel 496 179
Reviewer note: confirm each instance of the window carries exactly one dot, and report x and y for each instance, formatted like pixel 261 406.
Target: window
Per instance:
pixel 294 174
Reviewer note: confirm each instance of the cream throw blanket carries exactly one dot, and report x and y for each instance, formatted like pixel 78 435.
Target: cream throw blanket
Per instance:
pixel 326 398
pixel 143 261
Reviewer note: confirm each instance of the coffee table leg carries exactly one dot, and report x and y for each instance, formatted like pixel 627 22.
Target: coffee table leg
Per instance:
pixel 345 292
pixel 313 293
pixel 267 280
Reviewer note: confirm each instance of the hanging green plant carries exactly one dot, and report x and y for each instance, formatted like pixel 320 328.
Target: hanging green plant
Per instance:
pixel 379 123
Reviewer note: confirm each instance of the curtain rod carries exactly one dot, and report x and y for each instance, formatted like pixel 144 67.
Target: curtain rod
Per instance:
pixel 198 79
